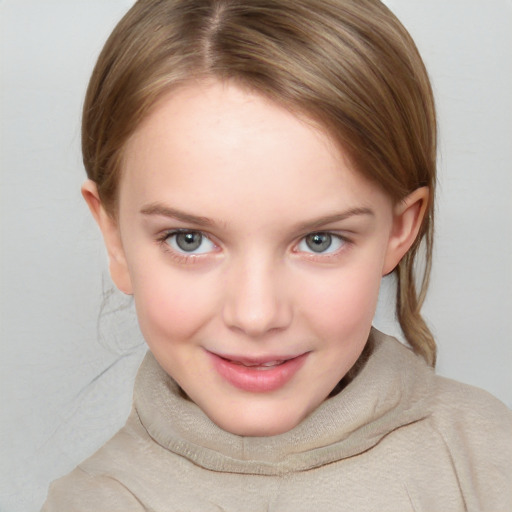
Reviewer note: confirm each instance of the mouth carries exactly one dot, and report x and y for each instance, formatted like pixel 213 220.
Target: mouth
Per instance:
pixel 260 365
pixel 258 375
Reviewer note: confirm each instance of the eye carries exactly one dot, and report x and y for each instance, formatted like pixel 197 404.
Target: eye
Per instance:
pixel 321 243
pixel 189 242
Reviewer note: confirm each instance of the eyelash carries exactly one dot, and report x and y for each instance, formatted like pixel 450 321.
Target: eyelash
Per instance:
pixel 182 257
pixel 324 256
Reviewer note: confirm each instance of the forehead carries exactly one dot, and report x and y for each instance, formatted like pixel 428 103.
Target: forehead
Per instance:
pixel 211 141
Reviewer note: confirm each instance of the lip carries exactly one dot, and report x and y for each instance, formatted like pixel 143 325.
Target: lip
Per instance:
pixel 260 375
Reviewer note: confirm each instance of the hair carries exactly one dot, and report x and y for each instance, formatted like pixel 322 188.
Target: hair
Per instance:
pixel 349 65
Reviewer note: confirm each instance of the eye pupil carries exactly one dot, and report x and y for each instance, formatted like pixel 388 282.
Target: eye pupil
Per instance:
pixel 319 242
pixel 189 241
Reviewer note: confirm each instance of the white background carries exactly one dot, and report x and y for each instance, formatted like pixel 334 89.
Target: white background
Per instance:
pixel 65 377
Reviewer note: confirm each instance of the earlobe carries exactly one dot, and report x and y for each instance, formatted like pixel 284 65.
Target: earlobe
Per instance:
pixel 111 236
pixel 407 220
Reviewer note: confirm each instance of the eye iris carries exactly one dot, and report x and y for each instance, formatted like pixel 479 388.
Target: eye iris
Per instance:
pixel 319 242
pixel 189 241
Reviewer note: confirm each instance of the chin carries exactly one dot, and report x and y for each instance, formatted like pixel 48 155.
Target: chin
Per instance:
pixel 257 425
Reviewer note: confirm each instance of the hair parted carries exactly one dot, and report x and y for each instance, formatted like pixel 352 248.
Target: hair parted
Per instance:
pixel 349 65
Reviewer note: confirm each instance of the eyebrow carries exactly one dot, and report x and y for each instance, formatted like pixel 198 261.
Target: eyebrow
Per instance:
pixel 330 219
pixel 173 213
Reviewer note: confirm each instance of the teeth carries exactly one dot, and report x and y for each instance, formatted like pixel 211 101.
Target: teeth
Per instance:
pixel 271 363
pixel 268 364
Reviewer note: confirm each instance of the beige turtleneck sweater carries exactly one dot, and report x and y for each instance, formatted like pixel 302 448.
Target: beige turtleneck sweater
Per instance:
pixel 396 438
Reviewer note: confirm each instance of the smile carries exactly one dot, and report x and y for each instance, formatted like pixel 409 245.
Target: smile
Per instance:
pixel 257 376
pixel 260 366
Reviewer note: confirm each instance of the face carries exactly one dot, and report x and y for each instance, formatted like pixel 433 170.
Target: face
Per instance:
pixel 254 252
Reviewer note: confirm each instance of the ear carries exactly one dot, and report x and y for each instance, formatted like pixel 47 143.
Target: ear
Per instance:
pixel 408 216
pixel 111 236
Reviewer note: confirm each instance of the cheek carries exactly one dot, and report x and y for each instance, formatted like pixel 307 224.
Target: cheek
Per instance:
pixel 344 303
pixel 171 306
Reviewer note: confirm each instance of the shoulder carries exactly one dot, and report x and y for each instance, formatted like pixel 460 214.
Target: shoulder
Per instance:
pixel 461 430
pixel 99 483
pixel 452 408
pixel 469 409
pixel 451 405
pixel 82 492
pixel 476 429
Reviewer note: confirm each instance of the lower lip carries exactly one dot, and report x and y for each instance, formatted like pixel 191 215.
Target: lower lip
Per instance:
pixel 258 380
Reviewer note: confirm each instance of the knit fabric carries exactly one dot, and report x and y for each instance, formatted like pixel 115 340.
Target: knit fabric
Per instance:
pixel 396 438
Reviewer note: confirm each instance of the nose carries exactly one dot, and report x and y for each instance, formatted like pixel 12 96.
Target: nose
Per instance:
pixel 257 301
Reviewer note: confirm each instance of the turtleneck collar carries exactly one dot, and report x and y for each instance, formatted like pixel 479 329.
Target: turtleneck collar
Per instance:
pixel 389 391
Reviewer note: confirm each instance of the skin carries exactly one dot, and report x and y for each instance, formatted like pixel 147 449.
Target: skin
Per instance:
pixel 259 180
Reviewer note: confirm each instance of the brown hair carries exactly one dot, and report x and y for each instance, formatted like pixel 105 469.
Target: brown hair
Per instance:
pixel 348 64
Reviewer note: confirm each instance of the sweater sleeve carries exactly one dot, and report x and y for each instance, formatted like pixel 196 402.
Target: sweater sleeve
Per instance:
pixel 80 492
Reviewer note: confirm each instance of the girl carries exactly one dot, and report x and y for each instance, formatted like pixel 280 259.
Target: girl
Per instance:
pixel 255 168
